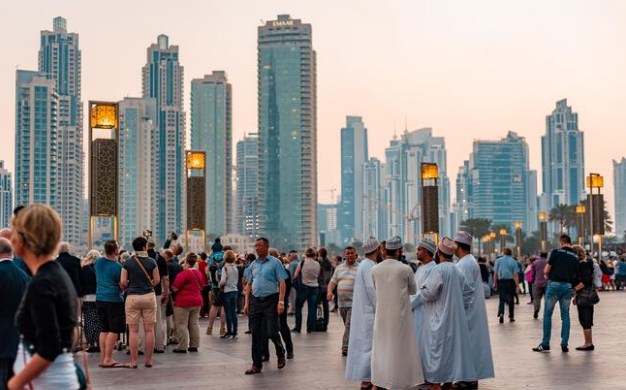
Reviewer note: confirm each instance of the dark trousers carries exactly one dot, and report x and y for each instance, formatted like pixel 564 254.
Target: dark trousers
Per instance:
pixel 530 291
pixel 230 306
pixel 309 295
pixel 506 292
pixel 263 318
pixel 6 371
pixel 322 299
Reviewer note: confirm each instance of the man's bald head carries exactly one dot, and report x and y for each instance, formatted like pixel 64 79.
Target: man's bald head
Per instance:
pixel 6 233
pixel 5 248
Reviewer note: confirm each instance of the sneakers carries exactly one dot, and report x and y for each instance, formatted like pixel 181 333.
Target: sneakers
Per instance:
pixel 536 314
pixel 564 348
pixel 501 319
pixel 541 348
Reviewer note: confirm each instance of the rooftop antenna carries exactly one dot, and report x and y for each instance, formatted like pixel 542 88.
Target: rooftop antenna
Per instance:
pixel 395 136
pixel 406 126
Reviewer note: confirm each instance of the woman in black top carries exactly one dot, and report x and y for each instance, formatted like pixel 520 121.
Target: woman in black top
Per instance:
pixel 47 314
pixel 585 313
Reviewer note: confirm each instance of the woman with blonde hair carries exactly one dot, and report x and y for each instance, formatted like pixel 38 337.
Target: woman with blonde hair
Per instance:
pixel 47 315
pixel 91 323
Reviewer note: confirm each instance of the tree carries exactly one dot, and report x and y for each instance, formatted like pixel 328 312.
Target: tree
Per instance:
pixel 477 227
pixel 565 215
pixel 358 245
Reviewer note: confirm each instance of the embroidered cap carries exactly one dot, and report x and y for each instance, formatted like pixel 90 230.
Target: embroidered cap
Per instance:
pixel 428 244
pixel 447 246
pixel 463 237
pixel 370 245
pixel 394 243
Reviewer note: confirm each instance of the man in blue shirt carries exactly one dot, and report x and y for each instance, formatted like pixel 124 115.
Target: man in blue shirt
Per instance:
pixel 265 301
pixel 506 282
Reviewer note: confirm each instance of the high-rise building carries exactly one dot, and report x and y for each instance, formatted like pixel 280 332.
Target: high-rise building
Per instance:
pixel 328 224
pixel 287 133
pixel 211 132
pixel 60 60
pixel 403 183
pixel 6 196
pixel 619 185
pixel 462 206
pixel 36 143
pixel 353 156
pixel 373 215
pixel 247 190
pixel 563 160
pixel 163 80
pixel 137 163
pixel 503 194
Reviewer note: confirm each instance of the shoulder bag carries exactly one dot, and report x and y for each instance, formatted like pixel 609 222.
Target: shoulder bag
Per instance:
pixel 144 271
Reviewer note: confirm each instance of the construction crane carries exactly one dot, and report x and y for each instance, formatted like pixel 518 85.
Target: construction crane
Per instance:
pixel 332 193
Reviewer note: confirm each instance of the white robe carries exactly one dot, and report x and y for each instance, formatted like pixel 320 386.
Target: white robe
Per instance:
pixel 477 319
pixel 420 309
pixel 358 364
pixel 395 361
pixel 446 355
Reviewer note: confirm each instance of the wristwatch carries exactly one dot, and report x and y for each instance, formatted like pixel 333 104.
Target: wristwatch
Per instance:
pixel 281 302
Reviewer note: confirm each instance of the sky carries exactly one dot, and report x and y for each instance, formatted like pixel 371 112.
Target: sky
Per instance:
pixel 471 70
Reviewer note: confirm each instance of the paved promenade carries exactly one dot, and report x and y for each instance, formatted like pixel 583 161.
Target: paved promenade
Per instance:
pixel 318 363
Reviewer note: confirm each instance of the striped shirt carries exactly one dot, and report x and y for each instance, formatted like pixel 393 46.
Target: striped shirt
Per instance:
pixel 343 278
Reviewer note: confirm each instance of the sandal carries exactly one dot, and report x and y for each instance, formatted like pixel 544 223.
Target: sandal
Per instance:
pixel 366 385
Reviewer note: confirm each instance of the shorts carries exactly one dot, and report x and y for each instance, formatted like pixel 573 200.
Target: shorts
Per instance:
pixel 141 307
pixel 111 317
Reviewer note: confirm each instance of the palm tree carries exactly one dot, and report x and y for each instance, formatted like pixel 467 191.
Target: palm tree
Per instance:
pixel 565 215
pixel 477 227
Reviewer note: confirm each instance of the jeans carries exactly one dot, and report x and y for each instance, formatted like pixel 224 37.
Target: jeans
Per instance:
pixel 309 295
pixel 322 299
pixel 557 292
pixel 506 292
pixel 230 305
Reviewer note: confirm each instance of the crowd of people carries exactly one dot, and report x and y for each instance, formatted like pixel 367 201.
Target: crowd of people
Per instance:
pixel 406 324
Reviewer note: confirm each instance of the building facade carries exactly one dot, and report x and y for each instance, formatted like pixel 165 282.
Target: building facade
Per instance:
pixel 36 142
pixel 6 196
pixel 619 185
pixel 211 132
pixel 247 167
pixel 374 202
pixel 137 162
pixel 163 81
pixel 287 97
pixel 563 160
pixel 353 156
pixel 60 60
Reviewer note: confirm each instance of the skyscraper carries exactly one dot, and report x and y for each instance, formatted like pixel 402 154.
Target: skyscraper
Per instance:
pixel 563 160
pixel 163 80
pixel 373 215
pixel 6 196
pixel 619 185
pixel 247 181
pixel 353 156
pixel 211 131
pixel 503 194
pixel 137 163
pixel 287 133
pixel 60 60
pixel 36 107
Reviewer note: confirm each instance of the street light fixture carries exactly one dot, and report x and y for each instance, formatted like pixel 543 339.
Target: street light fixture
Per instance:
pixel 580 212
pixel 430 199
pixel 596 210
pixel 543 229
pixel 502 239
pixel 196 195
pixel 518 238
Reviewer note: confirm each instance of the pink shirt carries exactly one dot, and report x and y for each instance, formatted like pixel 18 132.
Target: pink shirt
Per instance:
pixel 188 285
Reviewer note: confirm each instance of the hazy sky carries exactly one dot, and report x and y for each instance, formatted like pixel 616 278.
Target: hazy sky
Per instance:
pixel 468 69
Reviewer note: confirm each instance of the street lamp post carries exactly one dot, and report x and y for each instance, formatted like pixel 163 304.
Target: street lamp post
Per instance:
pixel 518 238
pixel 103 168
pixel 580 212
pixel 596 210
pixel 492 241
pixel 430 200
pixel 196 195
pixel 543 227
pixel 502 239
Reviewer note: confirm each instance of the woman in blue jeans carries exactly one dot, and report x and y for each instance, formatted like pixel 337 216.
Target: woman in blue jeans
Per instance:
pixel 229 280
pixel 309 272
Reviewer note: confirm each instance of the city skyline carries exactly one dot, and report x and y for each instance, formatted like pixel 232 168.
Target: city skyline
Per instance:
pixel 592 86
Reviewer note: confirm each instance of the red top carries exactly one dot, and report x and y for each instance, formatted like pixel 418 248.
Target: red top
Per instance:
pixel 188 285
pixel 202 268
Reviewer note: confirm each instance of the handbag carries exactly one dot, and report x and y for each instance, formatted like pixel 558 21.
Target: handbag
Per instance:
pixel 587 296
pixel 144 271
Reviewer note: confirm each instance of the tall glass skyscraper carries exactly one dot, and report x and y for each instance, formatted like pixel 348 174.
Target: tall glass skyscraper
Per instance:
pixel 60 60
pixel 619 185
pixel 500 181
pixel 287 97
pixel 36 142
pixel 373 215
pixel 563 160
pixel 211 131
pixel 163 80
pixel 137 165
pixel 6 196
pixel 247 190
pixel 353 156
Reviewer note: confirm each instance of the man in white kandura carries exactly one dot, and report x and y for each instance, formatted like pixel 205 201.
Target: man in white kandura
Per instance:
pixel 358 364
pixel 476 313
pixel 395 361
pixel 444 342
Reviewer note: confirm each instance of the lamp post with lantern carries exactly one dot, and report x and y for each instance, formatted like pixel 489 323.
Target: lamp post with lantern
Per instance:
pixel 430 200
pixel 502 239
pixel 543 229
pixel 580 212
pixel 518 238
pixel 195 164
pixel 596 210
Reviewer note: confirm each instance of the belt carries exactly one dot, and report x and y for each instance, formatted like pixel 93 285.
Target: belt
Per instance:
pixel 266 298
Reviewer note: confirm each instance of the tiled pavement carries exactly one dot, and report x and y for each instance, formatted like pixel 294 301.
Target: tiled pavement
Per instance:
pixel 318 364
